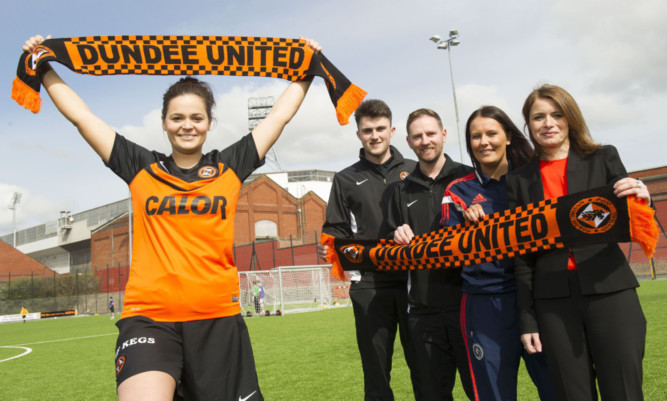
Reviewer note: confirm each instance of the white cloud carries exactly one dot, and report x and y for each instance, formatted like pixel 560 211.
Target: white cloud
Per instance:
pixel 622 44
pixel 312 138
pixel 149 134
pixel 606 111
pixel 472 97
pixel 31 210
pixel 609 54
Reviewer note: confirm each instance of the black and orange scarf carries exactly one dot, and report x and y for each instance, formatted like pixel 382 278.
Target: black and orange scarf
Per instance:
pixel 590 217
pixel 289 59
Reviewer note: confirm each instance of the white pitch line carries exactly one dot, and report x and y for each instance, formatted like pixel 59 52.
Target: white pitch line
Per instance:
pixel 27 351
pixel 63 339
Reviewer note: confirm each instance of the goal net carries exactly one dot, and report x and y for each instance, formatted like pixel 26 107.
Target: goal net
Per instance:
pixel 291 289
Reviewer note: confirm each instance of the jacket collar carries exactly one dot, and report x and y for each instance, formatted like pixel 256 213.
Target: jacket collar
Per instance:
pixel 574 166
pixel 483 179
pixel 574 184
pixel 396 157
pixel 420 178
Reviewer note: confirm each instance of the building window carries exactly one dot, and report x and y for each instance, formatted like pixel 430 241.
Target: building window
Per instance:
pixel 266 229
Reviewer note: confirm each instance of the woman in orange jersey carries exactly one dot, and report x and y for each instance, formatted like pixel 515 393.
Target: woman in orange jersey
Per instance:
pixel 181 333
pixel 578 304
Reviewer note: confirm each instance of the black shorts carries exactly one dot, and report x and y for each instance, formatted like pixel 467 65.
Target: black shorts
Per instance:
pixel 208 359
pixel 112 309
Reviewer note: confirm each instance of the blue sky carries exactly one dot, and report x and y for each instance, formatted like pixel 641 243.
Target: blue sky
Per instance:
pixel 611 55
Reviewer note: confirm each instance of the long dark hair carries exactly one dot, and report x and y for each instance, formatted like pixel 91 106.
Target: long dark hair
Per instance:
pixel 519 151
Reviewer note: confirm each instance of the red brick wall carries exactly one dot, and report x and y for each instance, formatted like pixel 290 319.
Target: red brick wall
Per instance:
pixel 263 199
pixel 18 264
pixel 656 181
pixel 112 278
pixel 637 255
pixel 269 255
pixel 109 255
pixel 315 214
pixel 110 246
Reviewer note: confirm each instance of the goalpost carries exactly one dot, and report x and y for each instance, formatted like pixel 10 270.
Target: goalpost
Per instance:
pixel 290 289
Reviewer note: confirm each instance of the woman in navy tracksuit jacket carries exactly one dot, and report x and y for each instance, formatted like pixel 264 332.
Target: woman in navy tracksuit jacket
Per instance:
pixel 489 312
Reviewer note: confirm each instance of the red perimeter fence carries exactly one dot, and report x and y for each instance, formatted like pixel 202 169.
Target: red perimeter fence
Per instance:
pixel 88 290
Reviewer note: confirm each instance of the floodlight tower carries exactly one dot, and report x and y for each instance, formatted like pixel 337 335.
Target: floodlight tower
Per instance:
pixel 16 199
pixel 258 109
pixel 443 44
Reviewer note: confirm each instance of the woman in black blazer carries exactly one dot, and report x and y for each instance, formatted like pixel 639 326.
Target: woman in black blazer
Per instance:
pixel 579 303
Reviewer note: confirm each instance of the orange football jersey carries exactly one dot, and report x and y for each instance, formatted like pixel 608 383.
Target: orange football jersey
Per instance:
pixel 182 257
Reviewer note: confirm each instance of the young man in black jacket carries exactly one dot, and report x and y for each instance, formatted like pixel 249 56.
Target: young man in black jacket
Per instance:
pixel 435 295
pixel 357 209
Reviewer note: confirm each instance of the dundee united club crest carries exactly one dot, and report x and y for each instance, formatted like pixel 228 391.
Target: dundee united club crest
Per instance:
pixel 37 54
pixel 593 215
pixel 352 252
pixel 120 362
pixel 207 172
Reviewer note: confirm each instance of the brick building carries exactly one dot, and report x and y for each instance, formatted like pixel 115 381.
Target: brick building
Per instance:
pixel 266 212
pixel 16 264
pixel 279 216
pixel 656 181
pixel 110 253
pixel 288 207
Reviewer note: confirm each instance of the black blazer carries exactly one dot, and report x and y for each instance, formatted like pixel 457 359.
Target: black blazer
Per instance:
pixel 601 268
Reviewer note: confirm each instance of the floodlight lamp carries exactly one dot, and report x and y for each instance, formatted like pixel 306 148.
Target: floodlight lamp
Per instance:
pixel 16 198
pixel 454 42
pixel 435 38
pixel 443 45
pixel 453 32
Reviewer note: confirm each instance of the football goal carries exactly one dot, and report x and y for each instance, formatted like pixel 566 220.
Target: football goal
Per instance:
pixel 290 289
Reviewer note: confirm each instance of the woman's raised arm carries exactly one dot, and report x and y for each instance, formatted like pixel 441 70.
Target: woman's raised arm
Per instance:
pixel 268 131
pixel 99 135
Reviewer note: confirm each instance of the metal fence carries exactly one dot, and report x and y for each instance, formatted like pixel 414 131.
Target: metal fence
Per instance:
pixel 287 289
pixel 81 290
pixel 291 289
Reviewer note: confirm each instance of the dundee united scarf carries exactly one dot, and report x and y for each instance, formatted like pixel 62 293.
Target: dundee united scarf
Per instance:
pixel 590 217
pixel 289 59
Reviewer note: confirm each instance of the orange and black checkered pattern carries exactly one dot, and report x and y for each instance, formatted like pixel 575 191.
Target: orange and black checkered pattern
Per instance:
pixel 533 228
pixel 249 56
pixel 200 46
pixel 458 256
